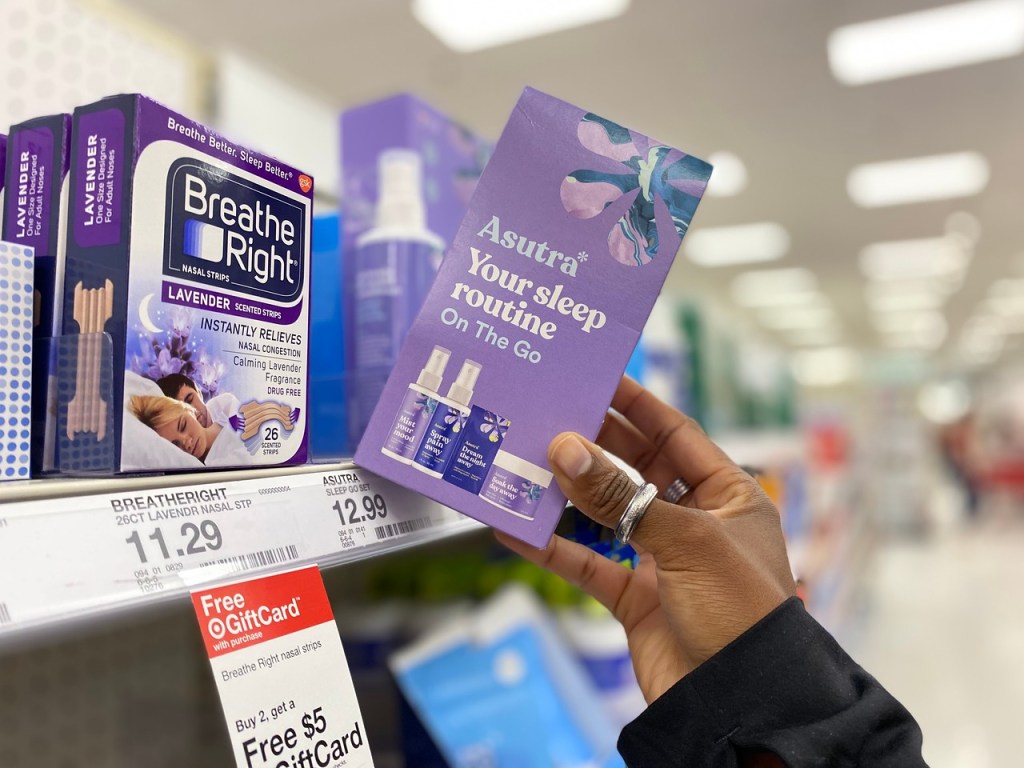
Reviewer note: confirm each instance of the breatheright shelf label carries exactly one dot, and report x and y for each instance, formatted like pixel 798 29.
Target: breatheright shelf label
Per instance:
pixel 281 672
pixel 114 550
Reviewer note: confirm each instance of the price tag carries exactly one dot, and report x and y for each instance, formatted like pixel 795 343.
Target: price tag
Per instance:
pixel 75 555
pixel 95 551
pixel 363 510
pixel 281 672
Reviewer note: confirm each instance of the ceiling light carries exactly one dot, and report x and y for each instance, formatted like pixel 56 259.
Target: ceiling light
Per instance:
pixel 935 257
pixel 917 339
pixel 814 336
pixel 944 402
pixel 729 175
pixel 471 25
pixel 739 244
pixel 938 177
pixel 965 226
pixel 825 367
pixel 904 301
pixel 1006 297
pixel 924 41
pixel 785 318
pixel 772 287
pixel 909 322
pixel 919 330
pixel 983 326
pixel 982 340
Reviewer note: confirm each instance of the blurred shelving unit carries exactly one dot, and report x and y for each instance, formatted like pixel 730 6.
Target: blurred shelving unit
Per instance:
pixel 829 533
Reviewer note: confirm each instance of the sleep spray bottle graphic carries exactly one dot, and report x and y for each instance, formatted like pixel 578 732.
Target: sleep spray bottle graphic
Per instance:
pixel 442 436
pixel 417 409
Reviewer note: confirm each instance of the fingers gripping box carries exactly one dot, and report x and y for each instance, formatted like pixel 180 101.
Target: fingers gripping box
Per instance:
pixel 534 313
pixel 186 311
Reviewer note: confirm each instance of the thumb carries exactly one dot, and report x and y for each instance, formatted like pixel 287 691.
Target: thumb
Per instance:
pixel 602 491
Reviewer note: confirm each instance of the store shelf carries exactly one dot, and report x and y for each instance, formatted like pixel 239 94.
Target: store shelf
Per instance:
pixel 74 550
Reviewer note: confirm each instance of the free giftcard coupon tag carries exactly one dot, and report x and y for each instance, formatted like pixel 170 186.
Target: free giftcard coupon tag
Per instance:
pixel 281 673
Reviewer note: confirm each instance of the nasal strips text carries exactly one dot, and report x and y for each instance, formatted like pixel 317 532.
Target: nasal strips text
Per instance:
pixel 230 621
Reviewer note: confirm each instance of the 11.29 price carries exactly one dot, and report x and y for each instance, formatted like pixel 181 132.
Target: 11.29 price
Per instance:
pixel 194 540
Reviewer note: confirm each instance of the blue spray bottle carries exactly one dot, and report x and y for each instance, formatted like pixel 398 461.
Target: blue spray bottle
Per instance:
pixel 394 266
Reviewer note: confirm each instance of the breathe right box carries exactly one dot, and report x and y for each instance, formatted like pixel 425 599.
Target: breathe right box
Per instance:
pixel 534 314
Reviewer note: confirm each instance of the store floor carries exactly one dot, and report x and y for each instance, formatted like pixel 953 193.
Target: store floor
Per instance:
pixel 943 630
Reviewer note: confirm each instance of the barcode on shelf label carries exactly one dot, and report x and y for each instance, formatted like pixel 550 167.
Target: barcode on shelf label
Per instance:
pixel 5 615
pixel 402 526
pixel 260 559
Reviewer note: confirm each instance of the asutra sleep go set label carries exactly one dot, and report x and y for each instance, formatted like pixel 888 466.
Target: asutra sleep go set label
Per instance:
pixel 534 314
pixel 187 279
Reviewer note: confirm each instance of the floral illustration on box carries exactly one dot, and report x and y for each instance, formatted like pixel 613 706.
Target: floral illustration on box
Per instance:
pixel 495 427
pixel 426 404
pixel 660 172
pixel 531 491
pixel 455 419
pixel 176 350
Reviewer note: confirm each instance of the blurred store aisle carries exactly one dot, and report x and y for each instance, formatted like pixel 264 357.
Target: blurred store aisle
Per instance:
pixel 944 632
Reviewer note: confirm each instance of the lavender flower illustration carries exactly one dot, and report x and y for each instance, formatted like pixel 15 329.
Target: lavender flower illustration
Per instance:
pixel 654 173
pixel 495 427
pixel 455 419
pixel 175 350
pixel 531 491
pixel 427 404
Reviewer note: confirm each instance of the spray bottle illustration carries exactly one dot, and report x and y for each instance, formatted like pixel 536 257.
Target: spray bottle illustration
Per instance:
pixel 418 406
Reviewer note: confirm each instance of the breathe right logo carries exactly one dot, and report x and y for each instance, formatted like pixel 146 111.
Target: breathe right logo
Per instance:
pixel 204 241
pixel 226 231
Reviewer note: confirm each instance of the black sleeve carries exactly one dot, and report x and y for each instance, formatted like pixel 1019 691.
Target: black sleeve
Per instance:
pixel 785 687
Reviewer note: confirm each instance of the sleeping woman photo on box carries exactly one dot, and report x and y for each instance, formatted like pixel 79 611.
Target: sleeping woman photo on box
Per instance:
pixel 217 410
pixel 177 422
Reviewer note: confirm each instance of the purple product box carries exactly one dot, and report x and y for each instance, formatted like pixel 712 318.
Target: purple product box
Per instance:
pixel 451 159
pixel 35 215
pixel 3 164
pixel 186 301
pixel 546 287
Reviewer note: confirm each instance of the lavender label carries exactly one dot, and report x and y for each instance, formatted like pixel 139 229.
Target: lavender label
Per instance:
pixel 476 449
pixel 513 492
pixel 411 423
pixel 515 485
pixel 441 439
pixel 28 199
pixel 99 151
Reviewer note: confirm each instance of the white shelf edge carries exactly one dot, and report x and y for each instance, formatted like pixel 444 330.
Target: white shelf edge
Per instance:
pixel 66 563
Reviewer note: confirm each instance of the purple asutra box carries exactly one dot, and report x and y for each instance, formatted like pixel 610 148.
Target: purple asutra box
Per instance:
pixel 187 280
pixel 534 313
pixel 35 215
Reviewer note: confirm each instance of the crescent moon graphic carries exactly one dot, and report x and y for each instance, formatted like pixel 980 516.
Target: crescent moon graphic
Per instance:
pixel 144 317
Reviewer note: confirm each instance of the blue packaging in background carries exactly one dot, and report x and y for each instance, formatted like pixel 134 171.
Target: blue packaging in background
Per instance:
pixel 16 266
pixel 35 215
pixel 501 689
pixel 329 437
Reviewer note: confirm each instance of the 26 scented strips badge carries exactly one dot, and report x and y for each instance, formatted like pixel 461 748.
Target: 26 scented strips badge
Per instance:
pixel 281 672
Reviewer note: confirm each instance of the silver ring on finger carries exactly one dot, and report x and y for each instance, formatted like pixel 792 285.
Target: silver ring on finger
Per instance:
pixel 676 490
pixel 635 510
